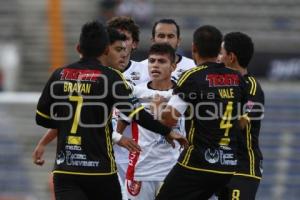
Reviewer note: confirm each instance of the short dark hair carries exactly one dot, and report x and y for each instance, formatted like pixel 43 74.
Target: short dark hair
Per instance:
pixel 208 40
pixel 93 39
pixel 125 23
pixel 163 48
pixel 166 21
pixel 241 45
pixel 115 35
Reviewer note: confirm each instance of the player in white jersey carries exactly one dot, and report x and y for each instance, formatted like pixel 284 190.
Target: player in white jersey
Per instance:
pixel 135 74
pixel 167 30
pixel 148 168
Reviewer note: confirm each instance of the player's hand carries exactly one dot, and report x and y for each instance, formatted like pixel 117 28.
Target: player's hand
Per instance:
pixel 179 138
pixel 37 155
pixel 244 122
pixel 129 144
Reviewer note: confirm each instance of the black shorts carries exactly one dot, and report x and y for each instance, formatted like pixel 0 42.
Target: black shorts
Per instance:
pixel 80 187
pixel 240 188
pixel 182 183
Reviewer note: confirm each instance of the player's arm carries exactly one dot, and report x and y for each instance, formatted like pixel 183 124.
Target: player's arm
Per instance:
pixel 37 155
pixel 119 139
pixel 244 119
pixel 43 112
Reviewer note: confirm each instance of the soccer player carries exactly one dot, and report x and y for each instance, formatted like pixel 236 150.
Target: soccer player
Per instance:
pixel 167 30
pixel 135 74
pixel 77 101
pixel 236 53
pixel 114 58
pixel 133 71
pixel 210 96
pixel 148 168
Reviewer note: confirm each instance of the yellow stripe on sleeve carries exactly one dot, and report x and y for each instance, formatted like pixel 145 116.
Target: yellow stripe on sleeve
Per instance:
pixel 254 87
pixel 135 111
pixel 43 115
pixel 188 73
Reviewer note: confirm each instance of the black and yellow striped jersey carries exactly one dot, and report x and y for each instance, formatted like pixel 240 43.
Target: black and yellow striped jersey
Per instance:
pixel 216 95
pixel 249 154
pixel 77 101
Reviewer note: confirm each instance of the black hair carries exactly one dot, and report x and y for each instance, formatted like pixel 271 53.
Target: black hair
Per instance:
pixel 93 39
pixel 207 40
pixel 163 48
pixel 115 35
pixel 166 21
pixel 125 23
pixel 241 45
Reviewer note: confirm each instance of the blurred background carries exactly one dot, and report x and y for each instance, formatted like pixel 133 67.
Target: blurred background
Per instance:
pixel 39 35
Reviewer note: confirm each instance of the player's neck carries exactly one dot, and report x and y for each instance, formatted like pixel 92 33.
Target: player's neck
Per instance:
pixel 239 68
pixel 161 84
pixel 242 70
pixel 200 60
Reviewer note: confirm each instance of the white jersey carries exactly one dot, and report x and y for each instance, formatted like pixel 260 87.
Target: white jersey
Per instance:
pixel 182 65
pixel 157 157
pixel 135 73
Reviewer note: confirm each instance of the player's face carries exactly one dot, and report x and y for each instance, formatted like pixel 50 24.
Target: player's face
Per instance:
pixel 116 55
pixel 166 33
pixel 160 67
pixel 225 57
pixel 130 44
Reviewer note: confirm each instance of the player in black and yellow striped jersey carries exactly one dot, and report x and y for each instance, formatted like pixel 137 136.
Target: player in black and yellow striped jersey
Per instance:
pixel 210 96
pixel 236 53
pixel 77 101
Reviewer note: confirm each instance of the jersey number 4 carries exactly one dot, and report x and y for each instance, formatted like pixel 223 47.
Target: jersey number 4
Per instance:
pixel 226 124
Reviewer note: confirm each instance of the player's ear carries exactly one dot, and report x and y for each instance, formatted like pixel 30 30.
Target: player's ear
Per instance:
pixel 173 66
pixel 78 48
pixel 135 45
pixel 233 57
pixel 178 43
pixel 152 40
pixel 194 48
pixel 106 51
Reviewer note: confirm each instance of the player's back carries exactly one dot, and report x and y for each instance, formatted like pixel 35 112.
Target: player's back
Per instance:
pixel 81 100
pixel 216 94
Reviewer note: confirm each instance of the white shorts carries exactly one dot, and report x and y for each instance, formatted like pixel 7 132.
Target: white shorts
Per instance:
pixel 142 190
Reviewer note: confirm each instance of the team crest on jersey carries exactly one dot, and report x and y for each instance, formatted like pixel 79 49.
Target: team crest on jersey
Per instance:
pixel 212 156
pixel 60 158
pixel 179 72
pixel 135 75
pixel 134 187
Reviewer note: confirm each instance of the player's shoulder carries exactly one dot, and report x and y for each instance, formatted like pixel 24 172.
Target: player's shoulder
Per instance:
pixel 187 60
pixel 143 62
pixel 253 84
pixel 134 64
pixel 185 63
